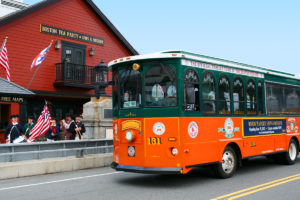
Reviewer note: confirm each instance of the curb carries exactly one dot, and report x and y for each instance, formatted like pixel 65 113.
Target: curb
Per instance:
pixel 53 165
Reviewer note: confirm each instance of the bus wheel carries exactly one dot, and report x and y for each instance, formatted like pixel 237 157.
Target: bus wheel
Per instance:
pixel 229 163
pixel 290 157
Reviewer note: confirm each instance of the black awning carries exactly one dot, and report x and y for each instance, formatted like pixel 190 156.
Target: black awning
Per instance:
pixel 11 89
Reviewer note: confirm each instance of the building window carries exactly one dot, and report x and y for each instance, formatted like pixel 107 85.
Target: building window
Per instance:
pixel 191 91
pixel 73 59
pixel 160 86
pixel 208 93
pixel 238 97
pixel 224 96
pixel 251 97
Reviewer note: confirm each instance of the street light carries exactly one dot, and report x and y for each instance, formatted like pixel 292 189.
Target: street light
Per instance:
pixel 100 79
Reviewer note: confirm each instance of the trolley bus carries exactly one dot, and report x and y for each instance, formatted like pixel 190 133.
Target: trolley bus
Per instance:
pixel 174 111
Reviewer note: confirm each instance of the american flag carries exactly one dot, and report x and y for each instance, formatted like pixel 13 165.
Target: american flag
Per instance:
pixel 39 59
pixel 4 59
pixel 41 126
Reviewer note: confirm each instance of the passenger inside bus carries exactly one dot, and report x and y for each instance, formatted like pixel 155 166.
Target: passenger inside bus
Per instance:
pixel 160 86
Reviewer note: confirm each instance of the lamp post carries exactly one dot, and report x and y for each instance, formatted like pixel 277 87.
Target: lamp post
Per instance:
pixel 100 79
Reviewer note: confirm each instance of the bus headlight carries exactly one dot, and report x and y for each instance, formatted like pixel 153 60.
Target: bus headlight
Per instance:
pixel 174 151
pixel 129 136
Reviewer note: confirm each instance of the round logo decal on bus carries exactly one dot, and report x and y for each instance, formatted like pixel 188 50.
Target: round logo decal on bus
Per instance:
pixel 159 128
pixel 228 129
pixel 291 125
pixel 193 129
pixel 131 151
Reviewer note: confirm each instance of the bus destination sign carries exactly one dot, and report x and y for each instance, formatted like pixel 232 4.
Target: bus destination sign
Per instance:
pixel 220 68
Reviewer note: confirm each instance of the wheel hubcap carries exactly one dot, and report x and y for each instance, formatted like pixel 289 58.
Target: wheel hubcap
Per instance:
pixel 293 151
pixel 228 162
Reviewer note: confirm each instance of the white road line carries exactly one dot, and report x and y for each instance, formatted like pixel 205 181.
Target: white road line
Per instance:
pixel 58 181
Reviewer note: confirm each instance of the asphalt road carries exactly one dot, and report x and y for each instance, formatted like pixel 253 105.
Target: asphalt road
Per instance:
pixel 259 178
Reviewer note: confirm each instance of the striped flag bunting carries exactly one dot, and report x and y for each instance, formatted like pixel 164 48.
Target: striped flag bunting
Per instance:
pixel 4 59
pixel 41 126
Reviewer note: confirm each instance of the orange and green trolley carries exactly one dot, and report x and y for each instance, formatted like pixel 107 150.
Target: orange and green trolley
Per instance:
pixel 174 111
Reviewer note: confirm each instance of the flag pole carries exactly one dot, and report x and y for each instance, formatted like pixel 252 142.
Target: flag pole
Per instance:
pixel 35 72
pixel 33 77
pixel 3 43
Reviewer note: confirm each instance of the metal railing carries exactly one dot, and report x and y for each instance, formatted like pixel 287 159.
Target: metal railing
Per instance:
pixel 78 75
pixel 42 150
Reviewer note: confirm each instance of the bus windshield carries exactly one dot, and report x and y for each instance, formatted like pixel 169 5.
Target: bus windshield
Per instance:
pixel 130 89
pixel 160 86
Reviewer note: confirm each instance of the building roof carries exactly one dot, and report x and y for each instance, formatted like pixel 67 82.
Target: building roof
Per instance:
pixel 205 59
pixel 9 88
pixel 15 15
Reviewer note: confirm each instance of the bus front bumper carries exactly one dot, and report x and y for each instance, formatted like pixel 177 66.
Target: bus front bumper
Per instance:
pixel 147 170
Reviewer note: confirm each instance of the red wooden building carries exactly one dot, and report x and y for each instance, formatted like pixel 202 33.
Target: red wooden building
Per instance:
pixel 82 37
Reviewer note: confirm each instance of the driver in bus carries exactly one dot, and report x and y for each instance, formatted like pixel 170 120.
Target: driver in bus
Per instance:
pixel 157 92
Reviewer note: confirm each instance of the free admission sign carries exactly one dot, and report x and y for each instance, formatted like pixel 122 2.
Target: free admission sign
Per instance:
pixel 261 127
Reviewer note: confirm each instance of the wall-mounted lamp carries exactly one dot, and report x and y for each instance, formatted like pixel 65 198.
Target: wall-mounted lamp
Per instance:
pixel 92 51
pixel 57 44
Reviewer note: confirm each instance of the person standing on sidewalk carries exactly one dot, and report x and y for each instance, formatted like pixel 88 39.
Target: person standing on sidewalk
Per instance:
pixel 52 134
pixel 13 130
pixel 28 127
pixel 65 127
pixel 77 129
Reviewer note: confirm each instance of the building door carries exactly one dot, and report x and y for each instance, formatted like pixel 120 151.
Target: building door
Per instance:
pixel 4 119
pixel 61 108
pixel 73 59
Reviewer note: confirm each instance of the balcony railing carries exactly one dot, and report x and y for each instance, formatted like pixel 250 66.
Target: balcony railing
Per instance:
pixel 74 75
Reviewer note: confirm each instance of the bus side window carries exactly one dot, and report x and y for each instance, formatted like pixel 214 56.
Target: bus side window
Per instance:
pixel 191 91
pixel 224 96
pixel 292 100
pixel 251 98
pixel 238 97
pixel 281 99
pixel 260 94
pixel 208 94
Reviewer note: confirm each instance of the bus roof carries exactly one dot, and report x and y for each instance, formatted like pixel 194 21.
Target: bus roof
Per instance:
pixel 205 59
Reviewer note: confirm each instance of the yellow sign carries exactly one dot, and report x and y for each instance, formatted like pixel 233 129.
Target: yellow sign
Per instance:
pixel 71 35
pixel 131 124
pixel 12 99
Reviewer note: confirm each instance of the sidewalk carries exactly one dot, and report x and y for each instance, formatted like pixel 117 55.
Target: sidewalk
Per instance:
pixel 53 165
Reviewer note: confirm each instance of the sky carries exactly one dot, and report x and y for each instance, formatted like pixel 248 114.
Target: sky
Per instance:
pixel 264 33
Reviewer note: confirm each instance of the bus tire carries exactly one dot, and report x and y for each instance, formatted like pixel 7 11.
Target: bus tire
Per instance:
pixel 229 164
pixel 290 156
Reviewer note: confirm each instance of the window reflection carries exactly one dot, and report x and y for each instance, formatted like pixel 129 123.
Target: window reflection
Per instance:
pixel 191 91
pixel 131 88
pixel 209 93
pixel 224 96
pixel 238 97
